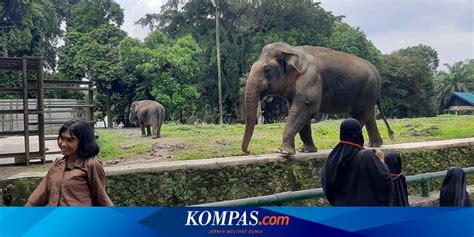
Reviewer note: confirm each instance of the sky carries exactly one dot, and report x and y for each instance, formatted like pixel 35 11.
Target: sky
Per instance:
pixel 445 25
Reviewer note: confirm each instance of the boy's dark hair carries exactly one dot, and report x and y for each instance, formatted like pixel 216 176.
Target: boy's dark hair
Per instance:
pixel 84 132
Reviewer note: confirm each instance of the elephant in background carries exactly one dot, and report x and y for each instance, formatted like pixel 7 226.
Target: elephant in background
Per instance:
pixel 313 80
pixel 148 113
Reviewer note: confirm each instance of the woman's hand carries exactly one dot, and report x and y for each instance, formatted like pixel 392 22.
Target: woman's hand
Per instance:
pixel 379 153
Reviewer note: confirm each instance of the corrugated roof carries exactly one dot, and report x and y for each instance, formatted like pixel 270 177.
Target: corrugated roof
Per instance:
pixel 465 96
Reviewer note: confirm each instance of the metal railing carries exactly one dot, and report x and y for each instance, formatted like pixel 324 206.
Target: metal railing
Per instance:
pixel 285 197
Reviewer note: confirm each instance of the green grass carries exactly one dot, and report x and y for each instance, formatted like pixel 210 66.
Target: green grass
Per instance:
pixel 207 141
pixel 114 146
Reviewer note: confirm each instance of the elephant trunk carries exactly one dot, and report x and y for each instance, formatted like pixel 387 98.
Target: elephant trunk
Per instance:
pixel 252 97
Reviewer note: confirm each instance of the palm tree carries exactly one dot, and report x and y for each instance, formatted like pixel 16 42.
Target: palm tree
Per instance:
pixel 458 78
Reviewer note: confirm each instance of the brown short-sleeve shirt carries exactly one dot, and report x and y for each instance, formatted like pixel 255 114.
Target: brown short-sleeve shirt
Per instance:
pixel 80 185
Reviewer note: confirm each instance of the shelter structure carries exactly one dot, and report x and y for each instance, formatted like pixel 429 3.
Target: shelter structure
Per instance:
pixel 460 103
pixel 33 86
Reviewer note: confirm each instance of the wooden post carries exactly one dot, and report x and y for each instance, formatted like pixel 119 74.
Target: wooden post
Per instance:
pixel 109 113
pixel 219 77
pixel 25 112
pixel 90 116
pixel 40 108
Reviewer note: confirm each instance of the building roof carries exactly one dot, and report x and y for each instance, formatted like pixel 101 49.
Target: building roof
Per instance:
pixel 465 96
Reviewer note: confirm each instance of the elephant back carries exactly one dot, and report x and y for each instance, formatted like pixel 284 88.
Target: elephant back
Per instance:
pixel 149 105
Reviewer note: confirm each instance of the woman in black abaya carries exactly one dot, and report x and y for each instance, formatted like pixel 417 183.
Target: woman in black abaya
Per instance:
pixel 453 192
pixel 399 193
pixel 352 175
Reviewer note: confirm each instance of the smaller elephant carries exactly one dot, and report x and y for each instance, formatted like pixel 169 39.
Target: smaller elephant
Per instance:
pixel 149 114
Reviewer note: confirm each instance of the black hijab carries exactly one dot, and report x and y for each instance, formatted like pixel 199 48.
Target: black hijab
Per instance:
pixel 352 175
pixel 453 192
pixel 340 157
pixel 398 193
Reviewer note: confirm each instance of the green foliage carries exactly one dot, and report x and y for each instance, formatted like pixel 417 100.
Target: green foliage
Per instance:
pixel 244 29
pixel 437 160
pixel 91 49
pixel 423 52
pixel 458 78
pixel 30 28
pixel 177 65
pixel 90 14
pixel 408 82
pixel 164 71
pixel 354 41
pixel 178 187
pixel 407 87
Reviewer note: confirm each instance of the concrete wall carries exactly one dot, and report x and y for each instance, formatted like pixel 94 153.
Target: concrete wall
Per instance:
pixel 210 180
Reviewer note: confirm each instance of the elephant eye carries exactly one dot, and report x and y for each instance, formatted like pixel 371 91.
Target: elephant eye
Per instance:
pixel 267 71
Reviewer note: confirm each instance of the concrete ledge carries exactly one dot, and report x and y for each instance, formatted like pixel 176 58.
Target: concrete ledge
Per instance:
pixel 259 159
pixel 210 180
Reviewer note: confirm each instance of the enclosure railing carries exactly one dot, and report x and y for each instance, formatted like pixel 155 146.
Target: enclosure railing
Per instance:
pixel 285 197
pixel 27 65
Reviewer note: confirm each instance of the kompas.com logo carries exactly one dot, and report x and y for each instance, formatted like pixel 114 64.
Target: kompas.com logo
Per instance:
pixel 234 218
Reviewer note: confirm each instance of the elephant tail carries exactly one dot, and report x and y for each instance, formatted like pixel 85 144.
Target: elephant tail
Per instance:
pixel 390 131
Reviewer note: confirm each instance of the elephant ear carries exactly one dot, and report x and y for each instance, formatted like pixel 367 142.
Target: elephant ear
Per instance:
pixel 134 107
pixel 295 61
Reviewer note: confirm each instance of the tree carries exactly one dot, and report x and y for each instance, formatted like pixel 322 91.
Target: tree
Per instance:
pixel 30 28
pixel 407 87
pixel 408 81
pixel 91 47
pixel 458 78
pixel 245 26
pixel 423 52
pixel 173 81
pixel 354 41
pixel 164 71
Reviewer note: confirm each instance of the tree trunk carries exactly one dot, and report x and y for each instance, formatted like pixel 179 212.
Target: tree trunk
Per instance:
pixel 109 113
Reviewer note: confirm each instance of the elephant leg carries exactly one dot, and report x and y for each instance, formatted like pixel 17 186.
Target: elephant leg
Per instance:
pixel 148 131
pixel 305 135
pixel 368 119
pixel 375 140
pixel 155 131
pixel 298 117
pixel 142 127
pixel 158 130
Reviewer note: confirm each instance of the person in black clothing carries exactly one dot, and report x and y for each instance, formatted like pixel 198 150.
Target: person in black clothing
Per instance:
pixel 453 192
pixel 352 175
pixel 398 192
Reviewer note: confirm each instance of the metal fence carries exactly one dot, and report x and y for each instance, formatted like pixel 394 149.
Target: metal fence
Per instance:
pixel 285 197
pixel 52 116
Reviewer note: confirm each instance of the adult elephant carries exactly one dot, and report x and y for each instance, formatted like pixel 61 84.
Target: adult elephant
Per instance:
pixel 313 80
pixel 148 113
